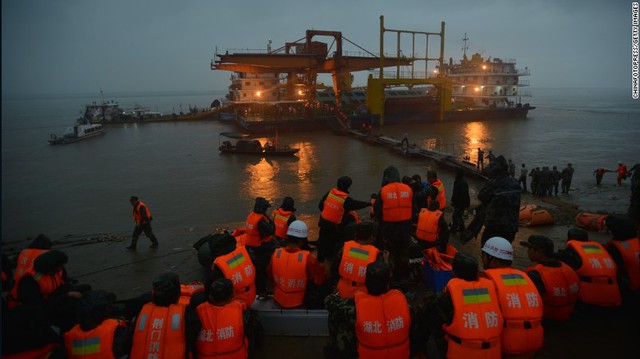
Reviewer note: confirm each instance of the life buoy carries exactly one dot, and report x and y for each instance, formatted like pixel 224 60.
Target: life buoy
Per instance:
pixel 591 221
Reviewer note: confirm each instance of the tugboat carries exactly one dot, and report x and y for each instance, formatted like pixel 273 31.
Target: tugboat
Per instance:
pixel 77 133
pixel 246 146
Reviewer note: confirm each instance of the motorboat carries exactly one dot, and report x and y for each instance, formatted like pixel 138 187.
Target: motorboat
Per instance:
pixel 244 144
pixel 77 133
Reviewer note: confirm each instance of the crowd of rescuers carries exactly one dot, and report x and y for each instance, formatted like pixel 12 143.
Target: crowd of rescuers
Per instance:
pixel 367 274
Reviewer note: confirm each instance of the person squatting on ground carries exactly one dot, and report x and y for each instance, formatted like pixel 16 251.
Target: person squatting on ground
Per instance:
pixel 519 299
pixel 432 229
pixel 142 216
pixel 557 283
pixel 232 261
pixel 259 231
pixel 500 197
pixel 333 206
pixel 471 316
pixel 394 211
pixel 295 272
pixel 595 268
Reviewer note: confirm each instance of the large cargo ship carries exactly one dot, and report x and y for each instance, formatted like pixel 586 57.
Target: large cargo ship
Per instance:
pixel 271 88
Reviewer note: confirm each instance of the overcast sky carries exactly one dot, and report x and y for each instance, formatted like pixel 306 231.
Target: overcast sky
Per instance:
pixel 80 46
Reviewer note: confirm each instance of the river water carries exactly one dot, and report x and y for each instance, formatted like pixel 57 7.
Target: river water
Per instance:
pixel 176 169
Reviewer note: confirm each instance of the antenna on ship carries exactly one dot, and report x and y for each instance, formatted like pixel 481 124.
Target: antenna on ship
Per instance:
pixel 269 46
pixel 464 46
pixel 102 93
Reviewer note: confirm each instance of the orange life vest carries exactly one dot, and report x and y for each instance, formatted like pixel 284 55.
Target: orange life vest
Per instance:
pixel 356 218
pixel 333 207
pixel 289 277
pixel 280 219
pixel 136 212
pixel 252 235
pixel 94 344
pixel 353 267
pixel 521 307
pixel 25 261
pixel 222 333
pixel 397 202
pixel 561 286
pixel 48 284
pixel 598 284
pixel 37 353
pixel 477 320
pixel 239 269
pixel 428 228
pixel 382 325
pixel 159 332
pixel 630 252
pixel 188 290
pixel 441 197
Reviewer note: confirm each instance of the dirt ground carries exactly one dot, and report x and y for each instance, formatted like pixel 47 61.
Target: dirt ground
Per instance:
pixel 103 261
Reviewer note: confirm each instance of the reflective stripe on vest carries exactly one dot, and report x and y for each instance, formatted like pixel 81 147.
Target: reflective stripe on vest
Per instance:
pixel 561 286
pixel 253 237
pixel 382 325
pixel 239 269
pixel 353 267
pixel 333 207
pixel 25 262
pixel 159 332
pixel 521 307
pixel 222 334
pixel 598 285
pixel 94 344
pixel 280 219
pixel 289 277
pixel 136 212
pixel 397 202
pixel 630 252
pixel 428 229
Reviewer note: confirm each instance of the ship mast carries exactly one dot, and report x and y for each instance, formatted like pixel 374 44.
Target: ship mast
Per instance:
pixel 465 47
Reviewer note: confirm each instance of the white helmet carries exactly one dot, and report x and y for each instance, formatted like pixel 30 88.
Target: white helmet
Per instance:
pixel 498 247
pixel 297 229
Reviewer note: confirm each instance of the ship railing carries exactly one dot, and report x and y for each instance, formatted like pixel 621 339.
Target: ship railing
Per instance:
pixel 523 72
pixel 524 93
pixel 404 74
pixel 524 83
pixel 504 61
pixel 247 51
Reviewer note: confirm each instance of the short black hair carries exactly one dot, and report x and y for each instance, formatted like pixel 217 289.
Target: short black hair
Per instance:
pixel 221 290
pixel 577 234
pixel 465 267
pixel 377 277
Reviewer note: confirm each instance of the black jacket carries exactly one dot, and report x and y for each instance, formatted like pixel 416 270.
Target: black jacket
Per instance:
pixel 460 196
pixel 501 197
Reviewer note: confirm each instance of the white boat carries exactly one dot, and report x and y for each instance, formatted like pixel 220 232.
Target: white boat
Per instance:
pixel 77 133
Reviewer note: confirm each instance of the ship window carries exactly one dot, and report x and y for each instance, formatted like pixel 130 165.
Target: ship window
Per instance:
pixel 247 83
pixel 261 83
pixel 244 95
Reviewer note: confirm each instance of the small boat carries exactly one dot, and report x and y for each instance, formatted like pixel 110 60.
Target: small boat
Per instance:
pixel 77 133
pixel 245 145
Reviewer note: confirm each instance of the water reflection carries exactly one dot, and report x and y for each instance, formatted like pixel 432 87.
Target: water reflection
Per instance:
pixel 475 135
pixel 275 178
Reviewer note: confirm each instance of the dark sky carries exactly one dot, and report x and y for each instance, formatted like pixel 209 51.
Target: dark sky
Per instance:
pixel 80 46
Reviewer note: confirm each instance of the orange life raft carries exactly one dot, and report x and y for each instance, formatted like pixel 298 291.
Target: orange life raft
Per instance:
pixel 591 221
pixel 530 216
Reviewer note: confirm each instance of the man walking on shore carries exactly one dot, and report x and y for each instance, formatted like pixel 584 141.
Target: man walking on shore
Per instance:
pixel 142 216
pixel 567 175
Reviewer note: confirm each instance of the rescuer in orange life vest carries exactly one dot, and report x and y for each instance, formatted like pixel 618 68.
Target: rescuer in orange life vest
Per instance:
pixel 356 254
pixel 216 327
pixel 295 272
pixel 142 216
pixel 160 328
pixel 334 205
pixel 520 302
pixel 473 322
pixel 624 248
pixel 432 229
pixel 24 263
pixel 282 218
pixel 97 335
pixel 394 210
pixel 557 283
pixel 259 231
pixel 434 181
pixel 233 262
pixel 595 268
